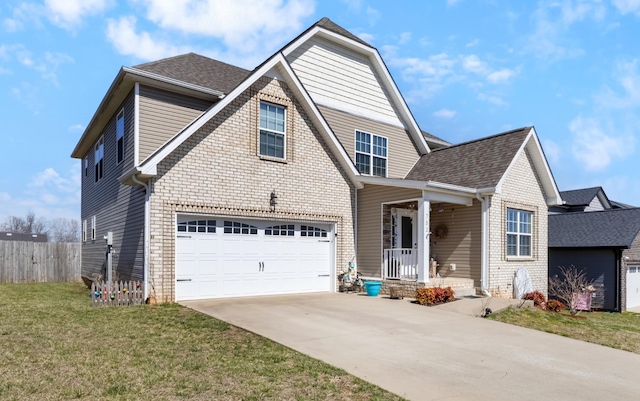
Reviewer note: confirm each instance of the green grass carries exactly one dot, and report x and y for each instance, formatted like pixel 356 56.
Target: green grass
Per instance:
pixel 54 345
pixel 615 330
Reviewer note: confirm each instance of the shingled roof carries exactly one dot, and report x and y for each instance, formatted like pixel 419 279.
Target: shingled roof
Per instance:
pixel 476 164
pixel 198 70
pixel 615 228
pixel 329 25
pixel 579 197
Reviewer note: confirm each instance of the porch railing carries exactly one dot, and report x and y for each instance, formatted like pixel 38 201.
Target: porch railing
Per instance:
pixel 401 263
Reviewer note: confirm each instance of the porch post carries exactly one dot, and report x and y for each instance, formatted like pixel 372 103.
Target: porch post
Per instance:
pixel 424 207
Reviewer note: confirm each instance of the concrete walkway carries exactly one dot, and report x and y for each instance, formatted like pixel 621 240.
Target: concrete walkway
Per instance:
pixel 428 353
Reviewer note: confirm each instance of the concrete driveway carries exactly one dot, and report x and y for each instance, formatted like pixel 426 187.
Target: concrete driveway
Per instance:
pixel 426 353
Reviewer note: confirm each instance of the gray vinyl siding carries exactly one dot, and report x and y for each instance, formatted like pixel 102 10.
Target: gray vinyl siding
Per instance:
pixel 462 244
pixel 370 226
pixel 118 208
pixel 402 152
pixel 163 114
pixel 600 265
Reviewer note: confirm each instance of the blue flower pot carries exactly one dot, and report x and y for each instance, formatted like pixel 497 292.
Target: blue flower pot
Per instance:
pixel 372 288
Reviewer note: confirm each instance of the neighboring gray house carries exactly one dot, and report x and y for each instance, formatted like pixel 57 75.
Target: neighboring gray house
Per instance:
pixel 221 182
pixel 601 238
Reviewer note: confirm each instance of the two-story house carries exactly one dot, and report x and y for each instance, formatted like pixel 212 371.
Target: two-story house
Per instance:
pixel 220 182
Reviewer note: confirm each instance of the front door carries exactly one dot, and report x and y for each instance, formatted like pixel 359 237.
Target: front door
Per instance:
pixel 407 228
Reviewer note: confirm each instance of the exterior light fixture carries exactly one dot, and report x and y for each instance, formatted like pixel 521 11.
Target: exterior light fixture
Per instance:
pixel 273 200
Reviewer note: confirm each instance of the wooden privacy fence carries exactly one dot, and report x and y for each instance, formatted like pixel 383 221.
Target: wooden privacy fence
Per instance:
pixel 24 261
pixel 119 293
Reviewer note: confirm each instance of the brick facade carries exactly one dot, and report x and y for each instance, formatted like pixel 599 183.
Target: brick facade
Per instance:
pixel 521 189
pixel 218 171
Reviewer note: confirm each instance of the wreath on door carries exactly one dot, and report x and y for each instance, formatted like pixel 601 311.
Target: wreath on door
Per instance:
pixel 441 231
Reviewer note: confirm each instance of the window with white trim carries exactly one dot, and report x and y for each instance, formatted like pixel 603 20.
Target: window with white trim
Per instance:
pixel 519 233
pixel 93 228
pixel 98 157
pixel 120 137
pixel 86 166
pixel 371 154
pixel 272 130
pixel 84 230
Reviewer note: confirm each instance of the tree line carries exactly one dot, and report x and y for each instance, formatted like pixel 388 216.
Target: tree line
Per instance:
pixel 57 230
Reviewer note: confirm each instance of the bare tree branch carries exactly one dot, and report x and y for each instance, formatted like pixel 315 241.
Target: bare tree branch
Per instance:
pixel 572 281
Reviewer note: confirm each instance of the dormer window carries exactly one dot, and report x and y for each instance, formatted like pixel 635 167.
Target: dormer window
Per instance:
pixel 371 154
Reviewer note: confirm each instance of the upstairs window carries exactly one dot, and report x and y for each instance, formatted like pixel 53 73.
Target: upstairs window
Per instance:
pixel 98 152
pixel 84 230
pixel 93 228
pixel 519 229
pixel 371 154
pixel 120 137
pixel 272 130
pixel 85 162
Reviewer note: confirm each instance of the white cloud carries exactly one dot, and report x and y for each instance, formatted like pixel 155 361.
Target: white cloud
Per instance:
pixel 626 75
pixel 452 2
pixel 366 37
pixel 502 75
pixel 405 37
pixel 553 20
pixel 594 147
pixel 77 127
pixel 472 63
pixel 627 6
pixel 122 34
pixel 373 15
pixel 47 65
pixel 498 101
pixel 444 113
pixel 69 13
pixel 244 25
pixel 473 43
pixel 48 194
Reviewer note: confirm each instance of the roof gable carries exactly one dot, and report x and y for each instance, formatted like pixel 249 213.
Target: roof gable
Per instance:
pixel 360 58
pixel 616 228
pixel 278 66
pixel 477 164
pixel 484 163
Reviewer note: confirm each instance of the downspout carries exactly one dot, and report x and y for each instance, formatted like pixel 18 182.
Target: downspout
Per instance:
pixel 147 238
pixel 484 244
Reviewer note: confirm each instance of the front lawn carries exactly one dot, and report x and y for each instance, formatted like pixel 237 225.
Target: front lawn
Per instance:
pixel 53 346
pixel 615 330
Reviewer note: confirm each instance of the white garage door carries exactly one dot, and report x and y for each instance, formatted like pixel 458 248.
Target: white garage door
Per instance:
pixel 225 257
pixel 633 286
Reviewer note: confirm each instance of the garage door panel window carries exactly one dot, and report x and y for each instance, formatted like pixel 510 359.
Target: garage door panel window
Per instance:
pixel 282 230
pixel 311 231
pixel 197 226
pixel 236 227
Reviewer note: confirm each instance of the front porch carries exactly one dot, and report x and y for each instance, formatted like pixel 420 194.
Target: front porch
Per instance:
pixel 451 248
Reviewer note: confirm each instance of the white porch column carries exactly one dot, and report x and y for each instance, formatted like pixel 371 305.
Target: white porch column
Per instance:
pixel 424 206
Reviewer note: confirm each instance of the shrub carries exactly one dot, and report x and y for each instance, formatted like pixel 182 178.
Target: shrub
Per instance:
pixel 537 297
pixel 434 295
pixel 555 306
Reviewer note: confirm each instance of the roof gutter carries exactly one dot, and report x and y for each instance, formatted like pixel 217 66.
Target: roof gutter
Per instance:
pixel 484 244
pixel 147 236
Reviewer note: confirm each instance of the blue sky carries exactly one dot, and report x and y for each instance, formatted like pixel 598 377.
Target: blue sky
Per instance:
pixel 467 68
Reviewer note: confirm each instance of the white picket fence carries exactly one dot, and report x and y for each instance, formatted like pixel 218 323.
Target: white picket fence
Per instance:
pixel 122 293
